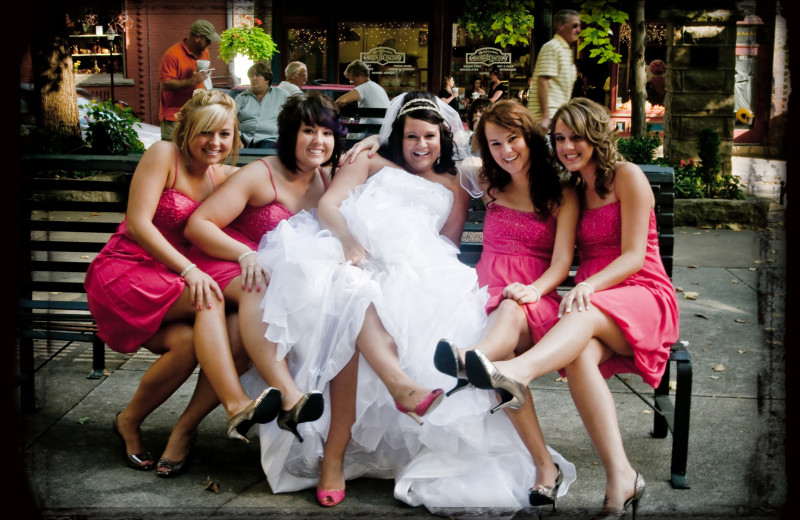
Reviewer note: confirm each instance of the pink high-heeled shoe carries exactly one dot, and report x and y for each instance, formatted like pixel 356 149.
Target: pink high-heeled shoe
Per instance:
pixel 329 498
pixel 431 401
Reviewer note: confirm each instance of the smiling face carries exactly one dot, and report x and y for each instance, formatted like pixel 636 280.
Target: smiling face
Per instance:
pixel 213 145
pixel 421 145
pixel 570 29
pixel 574 151
pixel 314 146
pixel 509 149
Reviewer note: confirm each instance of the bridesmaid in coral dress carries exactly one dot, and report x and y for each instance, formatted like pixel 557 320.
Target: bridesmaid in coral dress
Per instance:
pixel 528 245
pixel 622 315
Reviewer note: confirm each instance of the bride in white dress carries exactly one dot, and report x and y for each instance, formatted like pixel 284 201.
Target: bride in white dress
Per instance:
pixel 357 306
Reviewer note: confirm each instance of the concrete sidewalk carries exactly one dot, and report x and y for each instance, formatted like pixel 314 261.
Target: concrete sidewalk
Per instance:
pixel 73 468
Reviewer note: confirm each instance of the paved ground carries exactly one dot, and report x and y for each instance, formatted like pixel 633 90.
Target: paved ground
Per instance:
pixel 71 466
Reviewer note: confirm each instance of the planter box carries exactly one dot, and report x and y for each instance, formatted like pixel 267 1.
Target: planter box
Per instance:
pixel 750 213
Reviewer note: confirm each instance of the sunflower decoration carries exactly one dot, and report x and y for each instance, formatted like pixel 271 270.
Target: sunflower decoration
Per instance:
pixel 743 115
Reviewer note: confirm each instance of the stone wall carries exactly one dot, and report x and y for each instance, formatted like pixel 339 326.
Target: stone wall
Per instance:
pixel 700 80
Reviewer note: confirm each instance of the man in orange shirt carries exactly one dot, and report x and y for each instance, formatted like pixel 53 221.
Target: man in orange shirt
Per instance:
pixel 178 75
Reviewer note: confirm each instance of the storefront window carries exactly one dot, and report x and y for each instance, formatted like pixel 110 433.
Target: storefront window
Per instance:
pixel 396 52
pixel 309 46
pixel 655 56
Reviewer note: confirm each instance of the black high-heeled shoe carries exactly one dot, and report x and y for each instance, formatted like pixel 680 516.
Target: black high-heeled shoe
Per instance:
pixel 308 408
pixel 447 361
pixel 133 460
pixel 170 468
pixel 262 410
pixel 615 513
pixel 483 374
pixel 546 494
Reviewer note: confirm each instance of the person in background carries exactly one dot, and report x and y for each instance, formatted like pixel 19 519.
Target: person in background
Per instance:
pixel 496 88
pixel 449 93
pixel 476 109
pixel 178 75
pixel 366 92
pixel 296 76
pixel 525 91
pixel 474 92
pixel 258 108
pixel 555 73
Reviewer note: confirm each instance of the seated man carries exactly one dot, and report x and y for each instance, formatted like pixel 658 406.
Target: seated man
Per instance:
pixel 258 108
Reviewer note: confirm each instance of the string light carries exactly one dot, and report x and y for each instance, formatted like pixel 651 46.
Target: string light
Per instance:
pixel 655 33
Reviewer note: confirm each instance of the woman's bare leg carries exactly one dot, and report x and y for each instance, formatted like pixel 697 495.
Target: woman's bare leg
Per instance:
pixel 380 351
pixel 343 389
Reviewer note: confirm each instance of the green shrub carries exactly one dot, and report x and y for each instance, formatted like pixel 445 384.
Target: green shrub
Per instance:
pixel 639 149
pixel 708 151
pixel 35 139
pixel 111 129
pixel 690 183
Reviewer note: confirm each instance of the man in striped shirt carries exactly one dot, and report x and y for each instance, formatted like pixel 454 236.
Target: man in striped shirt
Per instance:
pixel 554 74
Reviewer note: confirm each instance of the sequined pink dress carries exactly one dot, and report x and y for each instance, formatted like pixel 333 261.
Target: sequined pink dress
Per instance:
pixel 248 228
pixel 518 247
pixel 128 290
pixel 643 305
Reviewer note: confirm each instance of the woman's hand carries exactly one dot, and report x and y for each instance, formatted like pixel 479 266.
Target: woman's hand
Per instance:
pixel 353 252
pixel 369 144
pixel 252 274
pixel 202 288
pixel 579 296
pixel 521 293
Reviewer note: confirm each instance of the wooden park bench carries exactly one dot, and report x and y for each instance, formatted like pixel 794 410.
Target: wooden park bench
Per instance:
pixel 352 116
pixel 64 223
pixel 671 413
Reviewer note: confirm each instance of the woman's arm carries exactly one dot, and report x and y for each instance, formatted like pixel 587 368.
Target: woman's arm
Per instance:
pixel 636 202
pixel 563 253
pixel 497 95
pixel 453 229
pixel 348 98
pixel 344 182
pixel 250 185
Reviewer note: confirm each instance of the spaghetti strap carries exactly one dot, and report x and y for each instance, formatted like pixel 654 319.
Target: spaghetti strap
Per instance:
pixel 175 179
pixel 272 180
pixel 211 178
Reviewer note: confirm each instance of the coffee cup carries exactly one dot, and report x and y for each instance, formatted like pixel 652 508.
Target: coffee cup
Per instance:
pixel 455 91
pixel 203 64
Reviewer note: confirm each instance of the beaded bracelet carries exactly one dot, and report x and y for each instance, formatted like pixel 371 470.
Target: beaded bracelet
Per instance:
pixel 188 268
pixel 246 253
pixel 587 285
pixel 538 294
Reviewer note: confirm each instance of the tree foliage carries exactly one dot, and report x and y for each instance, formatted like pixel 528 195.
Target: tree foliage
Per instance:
pixel 509 22
pixel 598 16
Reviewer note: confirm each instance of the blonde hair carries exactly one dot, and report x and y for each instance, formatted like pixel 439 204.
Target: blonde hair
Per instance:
pixel 592 122
pixel 206 110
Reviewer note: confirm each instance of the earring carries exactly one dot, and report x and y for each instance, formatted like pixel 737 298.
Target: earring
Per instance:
pixel 437 160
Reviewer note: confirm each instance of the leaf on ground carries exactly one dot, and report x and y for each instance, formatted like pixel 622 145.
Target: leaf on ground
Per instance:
pixel 753 269
pixel 673 385
pixel 211 486
pixel 689 295
pixel 695 283
pixel 83 420
pixel 648 411
pixel 699 315
pixel 719 367
pixel 95 214
pixel 560 379
pixel 54 293
pixel 734 281
pixel 734 226
pixel 691 267
pixel 740 320
pixel 714 377
pixel 756 261
pixel 742 351
pixel 84 257
pixel 679 289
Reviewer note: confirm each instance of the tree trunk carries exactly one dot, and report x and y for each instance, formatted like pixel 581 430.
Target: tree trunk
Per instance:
pixel 639 94
pixel 54 79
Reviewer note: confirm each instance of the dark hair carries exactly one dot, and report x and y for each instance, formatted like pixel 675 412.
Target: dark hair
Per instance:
pixel 479 104
pixel 543 180
pixel 393 149
pixel 260 68
pixel 313 108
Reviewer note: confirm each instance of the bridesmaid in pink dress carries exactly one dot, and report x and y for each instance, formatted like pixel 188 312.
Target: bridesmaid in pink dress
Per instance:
pixel 143 287
pixel 622 315
pixel 528 245
pixel 232 222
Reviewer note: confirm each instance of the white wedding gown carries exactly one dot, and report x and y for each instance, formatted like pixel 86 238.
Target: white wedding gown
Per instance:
pixel 462 457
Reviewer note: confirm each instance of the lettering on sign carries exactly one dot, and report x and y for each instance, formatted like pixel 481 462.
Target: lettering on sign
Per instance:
pixel 383 55
pixel 488 56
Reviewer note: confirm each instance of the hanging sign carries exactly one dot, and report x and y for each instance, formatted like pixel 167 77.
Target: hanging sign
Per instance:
pixel 383 56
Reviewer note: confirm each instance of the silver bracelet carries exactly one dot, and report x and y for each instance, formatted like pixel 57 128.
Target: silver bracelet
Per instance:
pixel 538 294
pixel 188 268
pixel 587 285
pixel 246 253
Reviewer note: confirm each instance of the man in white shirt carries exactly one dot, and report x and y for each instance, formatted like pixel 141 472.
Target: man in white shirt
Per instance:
pixel 554 74
pixel 368 93
pixel 296 76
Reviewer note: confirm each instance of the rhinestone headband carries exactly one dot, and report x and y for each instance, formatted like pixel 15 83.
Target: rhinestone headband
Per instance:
pixel 419 104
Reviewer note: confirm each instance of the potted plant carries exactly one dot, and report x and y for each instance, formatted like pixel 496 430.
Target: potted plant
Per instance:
pixel 246 38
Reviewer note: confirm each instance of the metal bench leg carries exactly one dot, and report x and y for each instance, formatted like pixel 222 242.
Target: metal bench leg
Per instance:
pixel 98 358
pixel 660 422
pixel 680 432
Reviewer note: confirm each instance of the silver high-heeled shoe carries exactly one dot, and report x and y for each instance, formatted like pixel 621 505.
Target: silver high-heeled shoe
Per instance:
pixel 615 513
pixel 447 361
pixel 483 374
pixel 262 410
pixel 546 494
